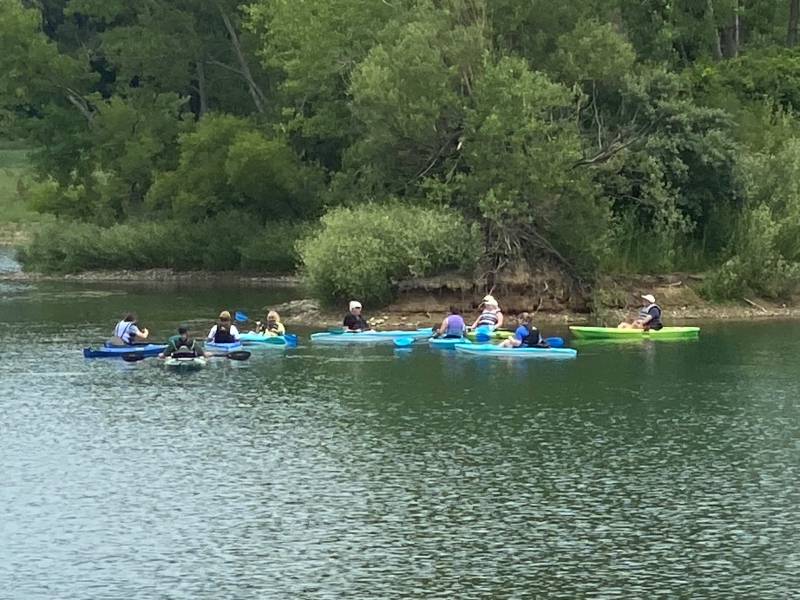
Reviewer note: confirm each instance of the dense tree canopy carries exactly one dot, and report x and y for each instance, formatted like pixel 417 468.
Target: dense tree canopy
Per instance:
pixel 595 135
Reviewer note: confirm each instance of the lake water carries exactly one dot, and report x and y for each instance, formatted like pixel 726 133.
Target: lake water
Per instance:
pixel 635 471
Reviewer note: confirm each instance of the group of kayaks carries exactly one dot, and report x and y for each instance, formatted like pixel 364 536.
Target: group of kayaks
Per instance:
pixel 481 343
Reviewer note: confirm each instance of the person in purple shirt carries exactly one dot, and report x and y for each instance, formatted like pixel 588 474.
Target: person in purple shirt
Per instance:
pixel 453 325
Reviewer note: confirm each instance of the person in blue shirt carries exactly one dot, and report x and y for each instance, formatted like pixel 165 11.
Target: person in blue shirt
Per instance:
pixel 649 316
pixel 526 335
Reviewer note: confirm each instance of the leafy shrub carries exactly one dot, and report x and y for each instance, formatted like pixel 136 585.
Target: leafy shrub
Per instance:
pixel 361 253
pixel 216 244
pixel 756 266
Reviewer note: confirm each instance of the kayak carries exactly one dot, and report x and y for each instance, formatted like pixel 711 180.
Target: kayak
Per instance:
pixel 252 338
pixel 120 351
pixel 222 348
pixel 497 334
pixel 188 363
pixel 369 337
pixel 447 343
pixel 616 333
pixel 492 350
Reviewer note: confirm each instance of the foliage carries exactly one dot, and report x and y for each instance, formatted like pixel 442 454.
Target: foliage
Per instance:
pixel 361 253
pixel 598 135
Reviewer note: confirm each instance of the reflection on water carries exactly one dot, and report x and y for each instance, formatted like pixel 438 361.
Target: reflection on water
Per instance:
pixel 634 471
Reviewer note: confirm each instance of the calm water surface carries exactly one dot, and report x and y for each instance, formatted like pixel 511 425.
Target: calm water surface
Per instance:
pixel 645 470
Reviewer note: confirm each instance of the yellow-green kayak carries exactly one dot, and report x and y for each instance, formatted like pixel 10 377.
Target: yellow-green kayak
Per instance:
pixel 616 333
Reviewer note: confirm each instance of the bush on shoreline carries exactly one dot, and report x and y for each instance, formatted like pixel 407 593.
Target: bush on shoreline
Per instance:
pixel 360 253
pixel 229 244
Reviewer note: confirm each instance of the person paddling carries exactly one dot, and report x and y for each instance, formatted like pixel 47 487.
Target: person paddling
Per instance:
pixel 491 316
pixel 649 316
pixel 183 345
pixel 224 332
pixel 128 333
pixel 354 321
pixel 453 325
pixel 272 325
pixel 526 335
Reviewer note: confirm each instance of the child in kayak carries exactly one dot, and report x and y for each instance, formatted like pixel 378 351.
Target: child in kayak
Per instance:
pixel 272 326
pixel 128 333
pixel 354 321
pixel 526 335
pixel 649 316
pixel 224 332
pixel 491 317
pixel 453 325
pixel 184 345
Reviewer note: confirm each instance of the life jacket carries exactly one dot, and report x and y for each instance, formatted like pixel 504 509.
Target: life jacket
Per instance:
pixel 489 317
pixel 655 323
pixel 533 339
pixel 123 332
pixel 223 335
pixel 186 349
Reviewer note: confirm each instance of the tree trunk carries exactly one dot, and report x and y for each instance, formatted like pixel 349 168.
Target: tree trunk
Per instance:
pixel 202 91
pixel 712 22
pixel 794 16
pixel 255 91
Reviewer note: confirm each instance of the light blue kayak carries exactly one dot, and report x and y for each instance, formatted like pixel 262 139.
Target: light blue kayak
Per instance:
pixel 222 348
pixel 252 338
pixel 491 350
pixel 369 337
pixel 447 343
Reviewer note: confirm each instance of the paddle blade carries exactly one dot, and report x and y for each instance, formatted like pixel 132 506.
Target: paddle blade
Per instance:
pixel 241 317
pixel 291 340
pixel 555 342
pixel 403 342
pixel 239 355
pixel 133 357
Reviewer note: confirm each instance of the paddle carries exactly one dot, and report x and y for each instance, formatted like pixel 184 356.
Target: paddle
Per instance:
pixel 291 339
pixel 236 355
pixel 241 317
pixel 133 357
pixel 403 342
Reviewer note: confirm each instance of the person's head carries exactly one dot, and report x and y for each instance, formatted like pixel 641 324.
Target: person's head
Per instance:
pixel 130 318
pixel 355 307
pixel 648 299
pixel 225 318
pixel 183 331
pixel 273 317
pixel 454 310
pixel 489 301
pixel 524 319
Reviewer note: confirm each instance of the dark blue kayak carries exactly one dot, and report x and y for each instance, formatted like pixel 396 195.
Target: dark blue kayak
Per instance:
pixel 120 351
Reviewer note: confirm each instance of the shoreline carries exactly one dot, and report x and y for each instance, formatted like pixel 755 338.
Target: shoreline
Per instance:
pixel 425 306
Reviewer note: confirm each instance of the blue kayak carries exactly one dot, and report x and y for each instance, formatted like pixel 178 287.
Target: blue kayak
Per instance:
pixel 369 337
pixel 492 350
pixel 447 343
pixel 120 351
pixel 222 348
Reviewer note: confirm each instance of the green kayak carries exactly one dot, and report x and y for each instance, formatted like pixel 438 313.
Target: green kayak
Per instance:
pixel 497 334
pixel 616 333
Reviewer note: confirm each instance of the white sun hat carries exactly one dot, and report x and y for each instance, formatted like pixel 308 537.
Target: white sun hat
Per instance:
pixel 489 299
pixel 355 304
pixel 650 298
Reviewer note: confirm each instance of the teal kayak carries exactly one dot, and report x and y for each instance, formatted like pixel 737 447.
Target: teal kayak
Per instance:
pixel 252 338
pixel 369 337
pixel 222 348
pixel 492 350
pixel 446 343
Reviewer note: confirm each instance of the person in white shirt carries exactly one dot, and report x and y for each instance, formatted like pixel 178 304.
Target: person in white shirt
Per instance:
pixel 128 333
pixel 224 332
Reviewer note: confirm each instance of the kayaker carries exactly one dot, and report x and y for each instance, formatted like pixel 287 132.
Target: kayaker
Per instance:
pixel 272 325
pixel 453 325
pixel 183 344
pixel 128 333
pixel 354 321
pixel 649 316
pixel 491 316
pixel 526 335
pixel 224 332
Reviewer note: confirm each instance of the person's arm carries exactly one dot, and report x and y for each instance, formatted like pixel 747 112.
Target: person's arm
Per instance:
pixel 211 334
pixel 443 326
pixel 235 332
pixel 475 324
pixel 169 349
pixel 499 319
pixel 281 329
